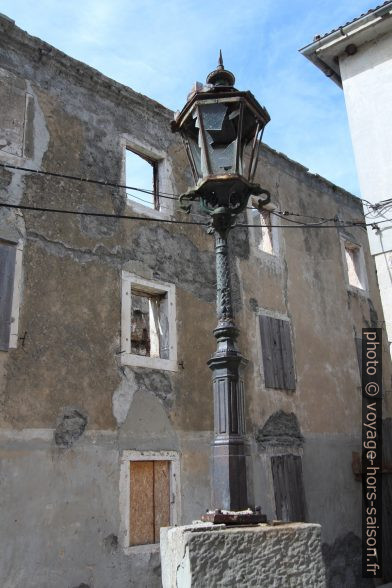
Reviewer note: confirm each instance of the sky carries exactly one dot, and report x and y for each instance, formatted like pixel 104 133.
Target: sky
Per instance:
pixel 160 48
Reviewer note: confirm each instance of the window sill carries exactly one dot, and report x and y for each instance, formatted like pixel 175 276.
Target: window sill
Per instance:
pixel 360 291
pixel 147 211
pixel 268 254
pixel 271 258
pixel 140 549
pixel 155 363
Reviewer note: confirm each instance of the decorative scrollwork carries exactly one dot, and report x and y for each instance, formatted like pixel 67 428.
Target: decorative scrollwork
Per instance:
pixel 189 196
pixel 223 283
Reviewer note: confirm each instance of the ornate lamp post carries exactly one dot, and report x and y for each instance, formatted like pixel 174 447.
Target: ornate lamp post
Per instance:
pixel 221 128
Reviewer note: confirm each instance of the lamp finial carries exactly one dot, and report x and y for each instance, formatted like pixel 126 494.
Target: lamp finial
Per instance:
pixel 221 76
pixel 220 60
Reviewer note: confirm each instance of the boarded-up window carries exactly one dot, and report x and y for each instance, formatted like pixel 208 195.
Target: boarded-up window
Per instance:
pixel 288 487
pixel 149 500
pixel 7 273
pixel 277 353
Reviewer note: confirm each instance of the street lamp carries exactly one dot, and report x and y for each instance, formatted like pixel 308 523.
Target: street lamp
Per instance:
pixel 221 128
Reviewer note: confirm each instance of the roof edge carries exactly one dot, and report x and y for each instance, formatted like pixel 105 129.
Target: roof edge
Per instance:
pixel 338 39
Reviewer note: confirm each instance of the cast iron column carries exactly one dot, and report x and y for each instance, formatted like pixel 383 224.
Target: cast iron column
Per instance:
pixel 229 487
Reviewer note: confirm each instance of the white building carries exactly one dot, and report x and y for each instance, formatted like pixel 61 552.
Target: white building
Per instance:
pixel 358 57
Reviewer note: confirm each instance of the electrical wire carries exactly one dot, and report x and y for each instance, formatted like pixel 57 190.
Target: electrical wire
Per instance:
pixel 167 195
pixel 177 222
pixel 99 214
pixel 291 220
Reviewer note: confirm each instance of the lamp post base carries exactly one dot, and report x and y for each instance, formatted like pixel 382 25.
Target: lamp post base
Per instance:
pixel 262 555
pixel 244 517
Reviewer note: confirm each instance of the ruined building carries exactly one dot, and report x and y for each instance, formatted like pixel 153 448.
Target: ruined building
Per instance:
pixel 106 328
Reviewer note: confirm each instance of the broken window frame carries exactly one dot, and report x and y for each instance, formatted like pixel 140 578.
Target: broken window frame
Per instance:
pixel 129 456
pixel 166 295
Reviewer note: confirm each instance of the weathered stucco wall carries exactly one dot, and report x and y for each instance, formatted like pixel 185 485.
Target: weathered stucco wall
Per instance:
pixel 69 405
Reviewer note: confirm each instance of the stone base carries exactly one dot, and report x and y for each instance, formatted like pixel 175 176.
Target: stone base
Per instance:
pixel 205 556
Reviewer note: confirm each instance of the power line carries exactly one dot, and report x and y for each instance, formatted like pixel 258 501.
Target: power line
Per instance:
pixel 86 180
pixel 177 222
pixel 291 220
pixel 100 214
pixel 167 195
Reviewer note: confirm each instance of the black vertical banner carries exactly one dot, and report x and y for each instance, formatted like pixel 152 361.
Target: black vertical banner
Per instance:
pixel 372 453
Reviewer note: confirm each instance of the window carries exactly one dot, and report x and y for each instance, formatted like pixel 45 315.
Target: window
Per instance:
pixel 266 239
pixel 148 330
pixel 355 265
pixel 277 353
pixel 142 172
pixel 149 495
pixel 16 117
pixel 265 236
pixel 10 278
pixel 149 167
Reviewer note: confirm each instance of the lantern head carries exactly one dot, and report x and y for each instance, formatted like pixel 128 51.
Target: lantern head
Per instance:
pixel 221 128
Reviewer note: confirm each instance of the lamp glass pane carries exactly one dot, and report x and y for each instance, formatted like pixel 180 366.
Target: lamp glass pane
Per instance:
pixel 220 123
pixel 190 135
pixel 249 143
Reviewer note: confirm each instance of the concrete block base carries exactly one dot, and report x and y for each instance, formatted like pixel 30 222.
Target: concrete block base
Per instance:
pixel 204 556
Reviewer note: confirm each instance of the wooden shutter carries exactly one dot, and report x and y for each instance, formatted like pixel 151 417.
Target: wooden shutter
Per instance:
pixel 288 487
pixel 277 353
pixel 149 500
pixel 7 272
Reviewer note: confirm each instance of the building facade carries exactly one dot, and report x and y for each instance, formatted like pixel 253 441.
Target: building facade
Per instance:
pixel 106 327
pixel 358 57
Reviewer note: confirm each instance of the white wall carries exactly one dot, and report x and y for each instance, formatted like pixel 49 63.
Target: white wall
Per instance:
pixel 367 85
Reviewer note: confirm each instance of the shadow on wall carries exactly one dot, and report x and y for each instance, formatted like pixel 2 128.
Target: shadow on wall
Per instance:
pixel 343 563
